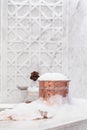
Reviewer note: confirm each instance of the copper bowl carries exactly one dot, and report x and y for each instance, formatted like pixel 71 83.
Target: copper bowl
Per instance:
pixel 51 88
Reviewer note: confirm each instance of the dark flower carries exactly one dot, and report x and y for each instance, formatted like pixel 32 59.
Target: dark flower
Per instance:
pixel 34 75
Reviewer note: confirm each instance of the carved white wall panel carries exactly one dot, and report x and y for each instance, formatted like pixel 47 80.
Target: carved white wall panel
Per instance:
pixel 34 39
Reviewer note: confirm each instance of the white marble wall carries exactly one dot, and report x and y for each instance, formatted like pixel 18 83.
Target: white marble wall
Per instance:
pixel 78 47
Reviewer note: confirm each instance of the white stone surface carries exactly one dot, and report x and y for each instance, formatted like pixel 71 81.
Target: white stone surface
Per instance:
pixel 44 125
pixel 78 120
pixel 6 106
pixel 57 109
pixel 78 48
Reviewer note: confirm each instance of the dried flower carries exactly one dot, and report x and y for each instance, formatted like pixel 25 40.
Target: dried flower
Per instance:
pixel 34 75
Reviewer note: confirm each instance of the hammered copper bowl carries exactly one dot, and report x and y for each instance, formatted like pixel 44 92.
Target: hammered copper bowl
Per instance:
pixel 51 88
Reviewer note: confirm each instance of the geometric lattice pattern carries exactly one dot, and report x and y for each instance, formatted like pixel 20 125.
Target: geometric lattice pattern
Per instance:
pixel 35 33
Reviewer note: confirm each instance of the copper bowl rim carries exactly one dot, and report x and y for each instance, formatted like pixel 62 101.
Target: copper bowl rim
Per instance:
pixel 54 80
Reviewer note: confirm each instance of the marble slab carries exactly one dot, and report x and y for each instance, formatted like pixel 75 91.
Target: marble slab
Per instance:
pixel 77 23
pixel 77 50
pixel 44 125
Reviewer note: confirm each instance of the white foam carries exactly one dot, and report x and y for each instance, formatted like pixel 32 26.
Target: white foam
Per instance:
pixel 52 76
pixel 56 110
